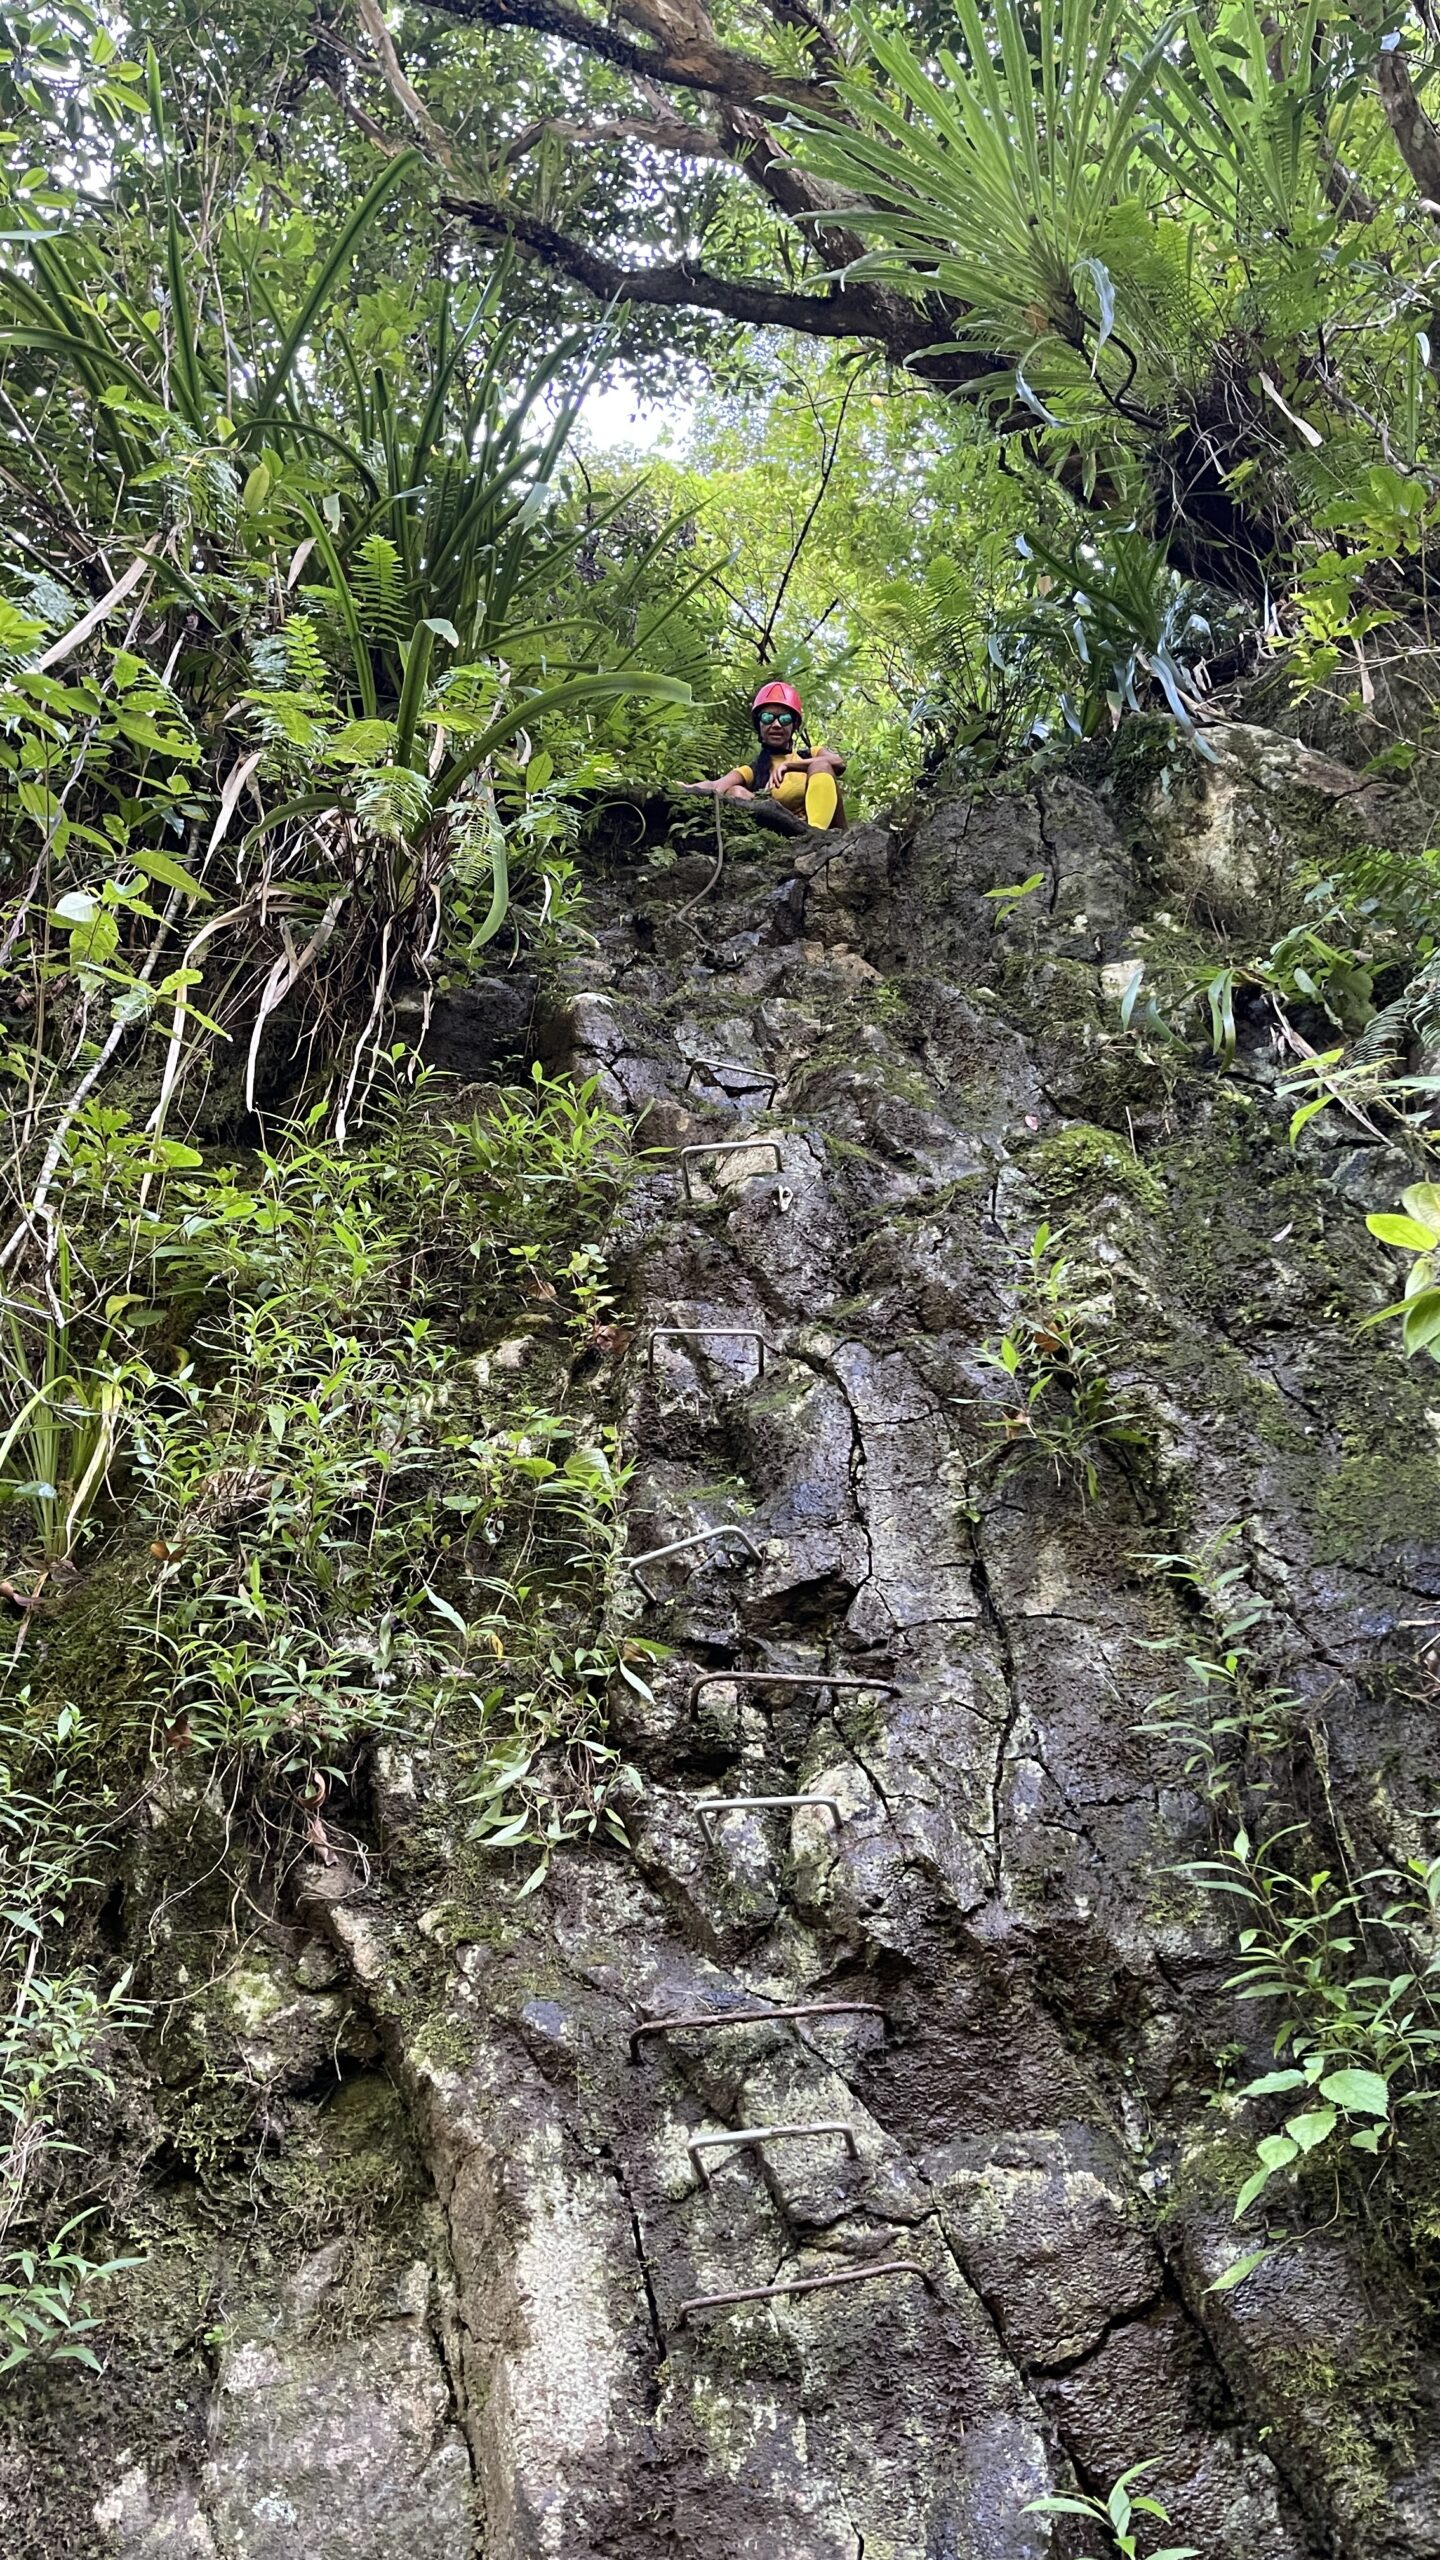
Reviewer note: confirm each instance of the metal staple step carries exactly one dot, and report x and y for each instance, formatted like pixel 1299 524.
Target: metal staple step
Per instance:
pixel 677 1546
pixel 804 2284
pixel 743 2137
pixel 787 1680
pixel 751 2018
pixel 716 1067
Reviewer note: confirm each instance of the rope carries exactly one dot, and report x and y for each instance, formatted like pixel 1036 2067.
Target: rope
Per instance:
pixel 701 895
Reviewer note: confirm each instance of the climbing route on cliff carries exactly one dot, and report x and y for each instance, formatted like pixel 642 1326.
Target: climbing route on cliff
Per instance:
pixel 719 1258
pixel 822 2165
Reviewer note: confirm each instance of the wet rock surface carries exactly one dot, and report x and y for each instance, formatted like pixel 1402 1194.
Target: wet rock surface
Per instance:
pixel 1024 2021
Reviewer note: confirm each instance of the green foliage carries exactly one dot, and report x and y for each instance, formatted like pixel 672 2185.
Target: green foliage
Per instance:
pixel 1345 1967
pixel 1417 1232
pixel 1065 1410
pixel 1118 2515
pixel 1359 917
pixel 1231 1725
pixel 69 1415
pixel 1117 618
pixel 998 178
pixel 343 1525
pixel 392 562
pixel 44 2294
pixel 1347 2035
pixel 859 543
pixel 544 1773
pixel 55 2034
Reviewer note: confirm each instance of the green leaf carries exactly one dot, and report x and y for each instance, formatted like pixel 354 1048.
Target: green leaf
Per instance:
pixel 1360 2092
pixel 1277 2150
pixel 95 943
pixel 1306 1113
pixel 143 730
pixel 273 388
pixel 1422 1201
pixel 1273 2082
pixel 1239 2270
pixel 1308 2131
pixel 1251 2189
pixel 1407 1233
pixel 417 667
pixel 170 873
pixel 1422 1320
pixel 451 1616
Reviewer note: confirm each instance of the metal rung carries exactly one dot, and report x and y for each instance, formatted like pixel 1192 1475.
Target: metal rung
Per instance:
pixel 744 2136
pixel 786 1680
pixel 706 1805
pixel 726 1147
pixel 709 1333
pixel 753 2018
pixel 805 2284
pixel 718 1067
pixel 677 1546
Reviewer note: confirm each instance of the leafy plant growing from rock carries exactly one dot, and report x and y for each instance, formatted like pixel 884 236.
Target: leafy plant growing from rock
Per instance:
pixel 1065 1411
pixel 343 1514
pixel 1117 2515
pixel 1415 1229
pixel 1347 2035
pixel 1348 1976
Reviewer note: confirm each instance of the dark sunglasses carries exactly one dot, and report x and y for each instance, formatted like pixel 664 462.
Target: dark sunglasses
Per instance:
pixel 785 718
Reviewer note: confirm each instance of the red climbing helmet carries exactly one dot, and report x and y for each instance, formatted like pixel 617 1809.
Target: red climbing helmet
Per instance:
pixel 784 695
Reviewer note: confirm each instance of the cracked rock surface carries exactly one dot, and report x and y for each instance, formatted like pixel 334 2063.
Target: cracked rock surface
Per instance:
pixel 1024 2015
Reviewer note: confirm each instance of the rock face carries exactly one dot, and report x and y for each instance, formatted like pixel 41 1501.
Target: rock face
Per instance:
pixel 1017 2022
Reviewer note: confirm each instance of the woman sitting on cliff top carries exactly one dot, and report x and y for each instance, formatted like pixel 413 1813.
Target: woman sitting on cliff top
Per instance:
pixel 805 784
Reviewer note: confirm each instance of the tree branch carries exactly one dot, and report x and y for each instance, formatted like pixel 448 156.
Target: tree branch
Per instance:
pixel 658 133
pixel 436 140
pixel 907 333
pixel 1416 138
pixel 792 190
pixel 839 313
pixel 681 59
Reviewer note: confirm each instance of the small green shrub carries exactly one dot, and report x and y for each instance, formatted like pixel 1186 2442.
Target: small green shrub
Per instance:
pixel 1065 1410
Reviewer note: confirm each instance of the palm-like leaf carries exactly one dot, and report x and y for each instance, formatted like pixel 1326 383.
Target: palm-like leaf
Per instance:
pixel 1240 121
pixel 994 181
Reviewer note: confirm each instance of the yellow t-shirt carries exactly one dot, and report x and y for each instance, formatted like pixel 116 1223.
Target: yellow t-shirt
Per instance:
pixel 779 767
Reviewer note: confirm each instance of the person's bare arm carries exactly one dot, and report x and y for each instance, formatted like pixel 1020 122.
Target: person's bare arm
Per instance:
pixel 729 782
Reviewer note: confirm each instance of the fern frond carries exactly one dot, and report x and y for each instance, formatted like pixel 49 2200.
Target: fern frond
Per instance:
pixel 378 584
pixel 305 668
